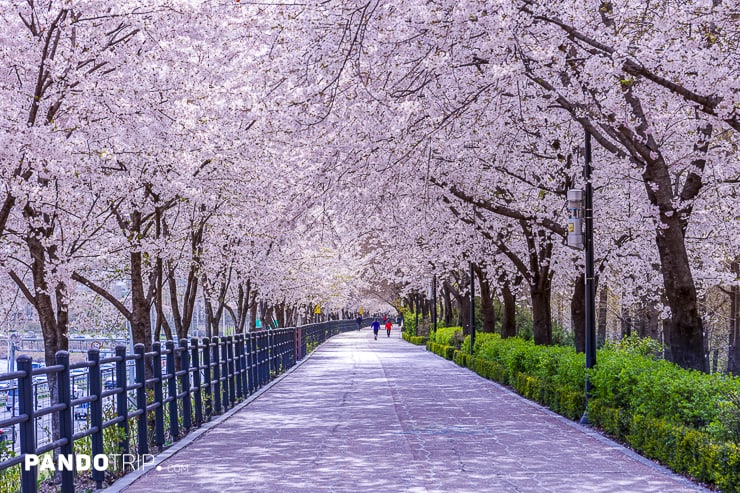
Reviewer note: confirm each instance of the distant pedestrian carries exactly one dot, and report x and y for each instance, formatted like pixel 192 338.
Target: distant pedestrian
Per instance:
pixel 359 322
pixel 399 320
pixel 388 325
pixel 376 327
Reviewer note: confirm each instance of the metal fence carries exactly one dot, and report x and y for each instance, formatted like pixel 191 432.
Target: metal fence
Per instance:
pixel 149 398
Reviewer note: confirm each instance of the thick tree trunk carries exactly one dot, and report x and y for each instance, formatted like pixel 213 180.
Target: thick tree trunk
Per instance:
pixel 541 315
pixel 141 329
pixel 486 301
pixel 648 322
pixel 686 327
pixel 446 306
pixel 508 322
pixel 578 313
pixel 463 307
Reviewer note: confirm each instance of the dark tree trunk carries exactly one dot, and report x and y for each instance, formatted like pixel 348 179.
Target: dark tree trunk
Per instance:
pixel 686 326
pixel 733 360
pixel 626 325
pixel 685 331
pixel 446 306
pixel 578 313
pixel 242 306
pixel 536 270
pixel 280 314
pixel 648 322
pixel 463 307
pixel 486 301
pixel 141 329
pixel 253 312
pixel 541 315
pixel 508 322
pixel 602 314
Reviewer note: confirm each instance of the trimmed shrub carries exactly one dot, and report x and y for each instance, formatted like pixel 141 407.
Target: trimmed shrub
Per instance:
pixel 446 336
pixel 417 340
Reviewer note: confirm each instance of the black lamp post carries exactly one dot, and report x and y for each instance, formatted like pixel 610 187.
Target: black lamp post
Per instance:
pixel 472 308
pixel 434 302
pixel 588 240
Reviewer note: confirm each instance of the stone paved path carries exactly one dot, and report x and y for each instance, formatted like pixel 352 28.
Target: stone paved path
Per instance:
pixel 387 416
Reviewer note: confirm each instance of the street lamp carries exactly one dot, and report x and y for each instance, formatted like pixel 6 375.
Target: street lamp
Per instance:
pixel 590 284
pixel 472 308
pixel 434 302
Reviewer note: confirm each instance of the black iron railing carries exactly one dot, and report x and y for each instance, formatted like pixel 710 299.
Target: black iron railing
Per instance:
pixel 154 397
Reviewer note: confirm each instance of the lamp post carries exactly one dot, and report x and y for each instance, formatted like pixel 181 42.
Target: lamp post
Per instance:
pixel 472 308
pixel 434 302
pixel 416 314
pixel 590 300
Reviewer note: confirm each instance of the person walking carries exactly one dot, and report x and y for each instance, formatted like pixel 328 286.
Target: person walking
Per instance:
pixel 359 322
pixel 388 325
pixel 376 327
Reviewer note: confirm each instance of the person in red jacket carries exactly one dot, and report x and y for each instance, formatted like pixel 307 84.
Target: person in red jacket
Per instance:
pixel 388 326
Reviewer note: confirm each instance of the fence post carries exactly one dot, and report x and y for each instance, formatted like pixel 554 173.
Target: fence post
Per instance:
pixel 158 397
pixel 233 366
pixel 244 367
pixel 96 411
pixel 263 358
pixel 238 368
pixel 207 384
pixel 66 426
pixel 225 372
pixel 141 424
pixel 27 427
pixel 304 335
pixel 122 398
pixel 172 391
pixel 195 363
pixel 249 350
pixel 216 375
pixel 187 408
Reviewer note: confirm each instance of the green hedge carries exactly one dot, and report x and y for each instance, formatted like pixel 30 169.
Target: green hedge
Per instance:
pixel 446 335
pixel 418 340
pixel 688 420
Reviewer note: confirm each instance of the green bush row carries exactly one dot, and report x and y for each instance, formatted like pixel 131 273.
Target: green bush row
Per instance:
pixel 688 420
pixel 681 448
pixel 418 340
pixel 447 336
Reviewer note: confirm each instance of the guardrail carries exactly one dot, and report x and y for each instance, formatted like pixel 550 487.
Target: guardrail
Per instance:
pixel 173 389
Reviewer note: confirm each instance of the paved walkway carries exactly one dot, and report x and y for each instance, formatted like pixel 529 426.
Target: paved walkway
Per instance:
pixel 387 416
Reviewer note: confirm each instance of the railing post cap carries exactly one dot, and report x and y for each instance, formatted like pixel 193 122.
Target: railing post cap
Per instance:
pixel 62 354
pixel 24 358
pixel 121 347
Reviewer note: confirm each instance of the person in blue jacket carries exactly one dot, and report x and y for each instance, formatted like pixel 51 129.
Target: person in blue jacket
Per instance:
pixel 376 327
